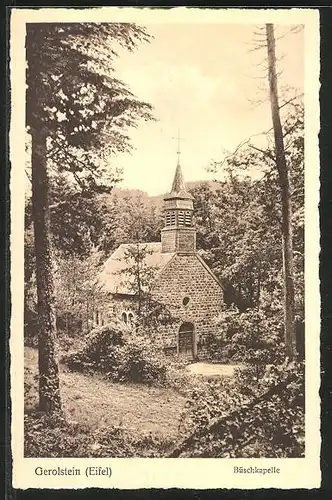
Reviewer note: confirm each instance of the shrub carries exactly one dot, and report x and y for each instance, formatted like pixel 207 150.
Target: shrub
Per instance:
pixel 52 437
pixel 98 352
pixel 252 337
pixel 214 346
pixel 124 356
pixel 232 418
pixel 141 361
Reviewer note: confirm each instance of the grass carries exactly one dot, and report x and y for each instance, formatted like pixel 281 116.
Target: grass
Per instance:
pixel 97 403
pixel 107 419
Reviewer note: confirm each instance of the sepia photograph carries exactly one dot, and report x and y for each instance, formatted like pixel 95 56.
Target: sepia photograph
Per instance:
pixel 164 184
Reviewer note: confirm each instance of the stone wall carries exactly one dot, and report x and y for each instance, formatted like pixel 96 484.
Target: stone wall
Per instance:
pixel 178 240
pixel 186 277
pixel 190 293
pixel 118 305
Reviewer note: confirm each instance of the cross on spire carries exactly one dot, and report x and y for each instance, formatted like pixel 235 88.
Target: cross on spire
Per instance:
pixel 179 150
pixel 178 143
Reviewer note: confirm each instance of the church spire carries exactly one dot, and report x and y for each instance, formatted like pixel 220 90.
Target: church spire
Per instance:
pixel 178 189
pixel 178 234
pixel 178 182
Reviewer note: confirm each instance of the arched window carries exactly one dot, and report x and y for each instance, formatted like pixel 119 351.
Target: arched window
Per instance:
pixel 124 317
pixel 173 218
pixel 130 318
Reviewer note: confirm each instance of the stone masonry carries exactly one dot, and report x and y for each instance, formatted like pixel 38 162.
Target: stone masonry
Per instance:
pixel 188 277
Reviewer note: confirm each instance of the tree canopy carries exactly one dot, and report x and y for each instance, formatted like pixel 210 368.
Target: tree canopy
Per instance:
pixel 74 95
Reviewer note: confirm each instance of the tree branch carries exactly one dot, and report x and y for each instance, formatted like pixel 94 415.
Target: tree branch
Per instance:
pixel 222 163
pixel 265 153
pixel 291 100
pixel 218 423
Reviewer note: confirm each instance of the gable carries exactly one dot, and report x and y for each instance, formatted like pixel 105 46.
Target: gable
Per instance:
pixel 187 272
pixel 209 271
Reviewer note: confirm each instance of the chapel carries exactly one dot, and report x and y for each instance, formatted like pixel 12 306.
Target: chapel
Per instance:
pixel 182 280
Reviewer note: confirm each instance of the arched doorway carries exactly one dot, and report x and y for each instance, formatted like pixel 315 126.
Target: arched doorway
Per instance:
pixel 186 341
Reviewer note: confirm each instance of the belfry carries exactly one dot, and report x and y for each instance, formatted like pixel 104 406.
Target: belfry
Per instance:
pixel 179 233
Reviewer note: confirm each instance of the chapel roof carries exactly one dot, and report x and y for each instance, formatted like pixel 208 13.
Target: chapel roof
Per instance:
pixel 115 277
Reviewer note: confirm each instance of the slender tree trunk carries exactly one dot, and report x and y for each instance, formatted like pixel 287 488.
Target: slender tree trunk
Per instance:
pixel 49 394
pixel 138 277
pixel 87 315
pixel 67 322
pixel 286 208
pixel 258 286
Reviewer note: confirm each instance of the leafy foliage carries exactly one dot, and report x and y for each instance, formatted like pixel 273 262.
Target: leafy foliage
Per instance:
pixel 152 314
pixel 52 437
pixel 123 356
pixel 252 337
pixel 73 93
pixel 130 216
pixel 77 291
pixel 232 418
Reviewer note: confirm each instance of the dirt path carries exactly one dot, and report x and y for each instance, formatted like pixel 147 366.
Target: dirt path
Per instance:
pixel 212 369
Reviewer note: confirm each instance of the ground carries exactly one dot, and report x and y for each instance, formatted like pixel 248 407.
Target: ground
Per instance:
pixel 90 399
pixel 95 409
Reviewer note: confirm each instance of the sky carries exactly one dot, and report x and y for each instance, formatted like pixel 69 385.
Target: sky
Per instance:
pixel 204 80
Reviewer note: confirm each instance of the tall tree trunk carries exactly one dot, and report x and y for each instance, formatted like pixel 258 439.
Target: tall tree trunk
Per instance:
pixel 49 394
pixel 67 322
pixel 258 298
pixel 286 207
pixel 138 278
pixel 87 315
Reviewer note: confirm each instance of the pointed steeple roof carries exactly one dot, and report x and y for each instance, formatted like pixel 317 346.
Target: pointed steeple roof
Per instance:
pixel 178 182
pixel 178 187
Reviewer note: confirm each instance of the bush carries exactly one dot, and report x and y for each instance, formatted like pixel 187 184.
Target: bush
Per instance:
pixel 252 337
pixel 52 437
pixel 214 346
pixel 141 362
pixel 99 352
pixel 124 356
pixel 232 418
